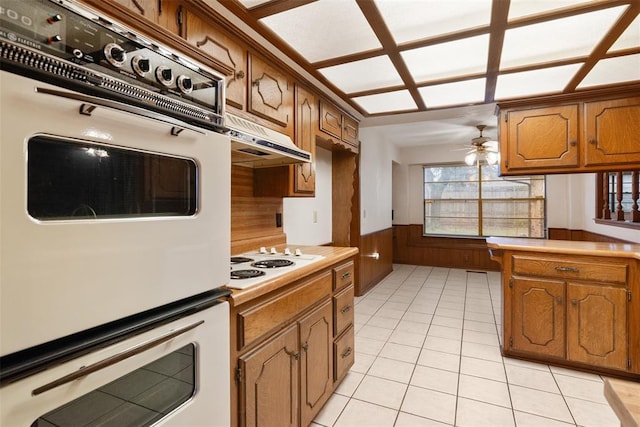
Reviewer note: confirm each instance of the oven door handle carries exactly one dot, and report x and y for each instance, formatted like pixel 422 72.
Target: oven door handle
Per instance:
pixel 86 370
pixel 178 126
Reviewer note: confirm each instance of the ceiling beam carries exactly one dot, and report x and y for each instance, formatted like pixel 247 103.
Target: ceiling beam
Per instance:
pixel 276 6
pixel 499 19
pixel 373 16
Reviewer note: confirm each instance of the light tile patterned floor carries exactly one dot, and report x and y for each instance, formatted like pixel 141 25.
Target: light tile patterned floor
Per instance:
pixel 428 354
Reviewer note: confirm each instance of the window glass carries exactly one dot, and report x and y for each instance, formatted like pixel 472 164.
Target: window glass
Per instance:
pixel 476 201
pixel 141 397
pixel 77 180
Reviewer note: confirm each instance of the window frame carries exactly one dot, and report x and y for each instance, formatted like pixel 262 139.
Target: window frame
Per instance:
pixel 480 203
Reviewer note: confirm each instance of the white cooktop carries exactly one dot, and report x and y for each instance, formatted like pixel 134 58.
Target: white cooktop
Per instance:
pixel 298 258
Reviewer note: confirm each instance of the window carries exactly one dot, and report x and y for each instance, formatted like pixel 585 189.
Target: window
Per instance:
pixel 475 201
pixel 617 198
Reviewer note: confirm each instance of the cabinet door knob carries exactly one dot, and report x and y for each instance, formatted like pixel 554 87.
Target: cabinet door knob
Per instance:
pixel 593 141
pixel 574 302
pixel 305 346
pixel 573 143
pixel 240 75
pixel 345 309
pixel 559 300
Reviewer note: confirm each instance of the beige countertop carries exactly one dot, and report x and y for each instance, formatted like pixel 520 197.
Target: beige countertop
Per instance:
pixel 619 250
pixel 331 254
pixel 624 398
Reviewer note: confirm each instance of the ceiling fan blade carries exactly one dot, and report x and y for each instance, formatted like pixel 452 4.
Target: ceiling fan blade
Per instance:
pixel 493 145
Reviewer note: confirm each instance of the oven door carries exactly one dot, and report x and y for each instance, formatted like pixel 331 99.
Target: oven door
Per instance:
pixel 105 212
pixel 175 374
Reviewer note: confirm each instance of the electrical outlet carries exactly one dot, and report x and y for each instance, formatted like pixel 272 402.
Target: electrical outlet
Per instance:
pixel 315 217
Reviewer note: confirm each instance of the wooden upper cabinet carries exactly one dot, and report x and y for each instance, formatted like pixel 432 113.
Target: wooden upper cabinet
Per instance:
pixel 338 125
pixel 306 123
pixel 569 134
pixel 147 8
pixel 540 138
pixel 270 93
pixel 225 49
pixel 612 132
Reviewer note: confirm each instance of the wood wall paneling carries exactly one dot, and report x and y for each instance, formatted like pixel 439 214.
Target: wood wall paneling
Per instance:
pixel 373 270
pixel 411 247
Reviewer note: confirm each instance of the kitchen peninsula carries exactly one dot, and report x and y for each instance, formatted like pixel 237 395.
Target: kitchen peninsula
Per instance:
pixel 292 340
pixel 571 303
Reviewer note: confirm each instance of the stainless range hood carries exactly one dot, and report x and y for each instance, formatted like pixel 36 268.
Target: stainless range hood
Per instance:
pixel 256 146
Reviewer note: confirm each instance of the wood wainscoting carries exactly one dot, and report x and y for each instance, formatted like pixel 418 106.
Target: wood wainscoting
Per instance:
pixel 582 236
pixel 411 247
pixel 373 270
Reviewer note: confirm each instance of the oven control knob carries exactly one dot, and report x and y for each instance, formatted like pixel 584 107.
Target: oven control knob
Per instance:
pixel 54 18
pixel 53 39
pixel 263 250
pixel 298 252
pixel 115 54
pixel 273 251
pixel 287 251
pixel 141 65
pixel 184 83
pixel 164 75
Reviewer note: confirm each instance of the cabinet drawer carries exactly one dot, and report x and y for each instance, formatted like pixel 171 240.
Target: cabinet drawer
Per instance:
pixel 257 321
pixel 342 310
pixel 343 354
pixel 570 269
pixel 343 275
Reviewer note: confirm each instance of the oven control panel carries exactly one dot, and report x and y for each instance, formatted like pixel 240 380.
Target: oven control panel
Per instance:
pixel 64 43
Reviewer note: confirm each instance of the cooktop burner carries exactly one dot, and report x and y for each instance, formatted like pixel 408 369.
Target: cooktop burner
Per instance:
pixel 240 259
pixel 273 263
pixel 246 274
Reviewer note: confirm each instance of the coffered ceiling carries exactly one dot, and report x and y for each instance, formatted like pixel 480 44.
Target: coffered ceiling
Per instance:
pixel 401 61
pixel 396 56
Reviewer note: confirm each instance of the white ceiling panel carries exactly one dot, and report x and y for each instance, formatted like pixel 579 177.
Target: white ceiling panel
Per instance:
pixel 416 19
pixel 456 58
pixel 456 93
pixel 630 38
pixel 253 3
pixel 521 8
pixel 613 70
pixel 554 40
pixel 372 73
pixel 535 82
pixel 390 101
pixel 324 29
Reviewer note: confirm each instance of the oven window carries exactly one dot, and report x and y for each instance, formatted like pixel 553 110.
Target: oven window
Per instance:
pixel 141 397
pixel 77 180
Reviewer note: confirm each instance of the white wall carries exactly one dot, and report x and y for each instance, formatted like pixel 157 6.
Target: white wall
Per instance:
pixel 376 178
pixel 570 197
pixel 299 212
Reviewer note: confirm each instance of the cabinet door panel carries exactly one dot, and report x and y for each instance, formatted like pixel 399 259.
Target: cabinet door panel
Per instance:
pixel 330 120
pixel 269 394
pixel 538 317
pixel 270 96
pixel 306 123
pixel 596 325
pixel 218 44
pixel 613 132
pixel 350 131
pixel 146 8
pixel 316 361
pixel 542 138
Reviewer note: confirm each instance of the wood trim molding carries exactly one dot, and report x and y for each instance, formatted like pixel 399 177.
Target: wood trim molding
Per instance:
pixel 582 236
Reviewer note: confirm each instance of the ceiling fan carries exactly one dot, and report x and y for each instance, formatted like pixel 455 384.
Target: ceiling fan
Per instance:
pixel 483 148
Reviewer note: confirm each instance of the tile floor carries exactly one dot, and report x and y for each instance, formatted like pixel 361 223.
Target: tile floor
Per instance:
pixel 428 354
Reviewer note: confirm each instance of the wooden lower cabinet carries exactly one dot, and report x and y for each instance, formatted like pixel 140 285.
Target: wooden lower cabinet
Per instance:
pixel 269 393
pixel 597 325
pixel 288 358
pixel 571 310
pixel 538 316
pixel 316 368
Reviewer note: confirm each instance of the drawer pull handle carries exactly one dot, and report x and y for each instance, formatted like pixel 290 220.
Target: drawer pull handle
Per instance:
pixel 346 353
pixel 346 275
pixel 345 309
pixel 568 269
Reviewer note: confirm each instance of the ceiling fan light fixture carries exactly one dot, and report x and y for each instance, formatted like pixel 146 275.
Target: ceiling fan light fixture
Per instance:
pixel 470 158
pixel 492 157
